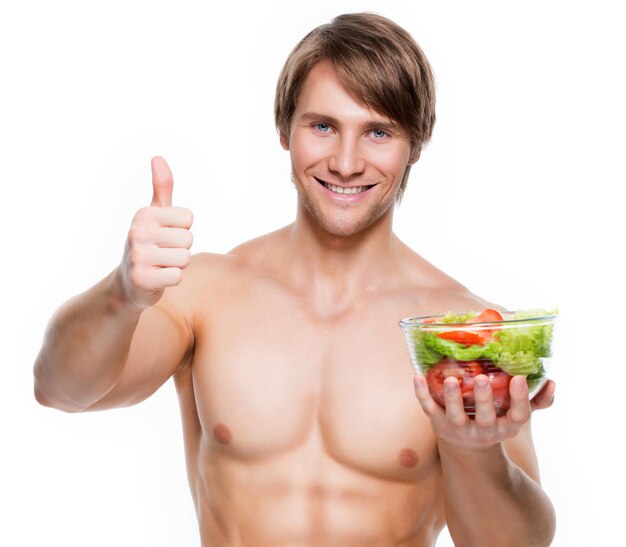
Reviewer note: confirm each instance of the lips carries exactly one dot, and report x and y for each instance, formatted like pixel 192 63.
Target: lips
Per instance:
pixel 344 189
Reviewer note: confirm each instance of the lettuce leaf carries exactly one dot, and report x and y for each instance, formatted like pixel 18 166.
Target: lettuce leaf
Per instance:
pixel 457 351
pixel 532 314
pixel 426 353
pixel 452 317
pixel 518 349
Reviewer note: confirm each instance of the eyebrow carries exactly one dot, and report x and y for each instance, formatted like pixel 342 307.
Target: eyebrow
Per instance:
pixel 325 118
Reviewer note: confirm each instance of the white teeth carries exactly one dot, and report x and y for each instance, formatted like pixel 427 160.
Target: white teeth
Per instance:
pixel 342 190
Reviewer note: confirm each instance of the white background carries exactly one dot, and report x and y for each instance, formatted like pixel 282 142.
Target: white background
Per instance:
pixel 517 196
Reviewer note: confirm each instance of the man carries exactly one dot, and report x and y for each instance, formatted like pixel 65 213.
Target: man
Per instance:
pixel 300 424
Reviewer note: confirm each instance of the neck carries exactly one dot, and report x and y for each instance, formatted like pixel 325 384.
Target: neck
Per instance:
pixel 343 266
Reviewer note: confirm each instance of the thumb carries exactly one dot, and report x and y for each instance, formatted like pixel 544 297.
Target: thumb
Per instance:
pixel 162 183
pixel 544 398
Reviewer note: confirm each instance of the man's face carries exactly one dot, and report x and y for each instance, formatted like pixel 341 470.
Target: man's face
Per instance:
pixel 347 160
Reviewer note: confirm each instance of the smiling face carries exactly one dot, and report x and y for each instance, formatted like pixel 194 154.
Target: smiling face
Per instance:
pixel 347 160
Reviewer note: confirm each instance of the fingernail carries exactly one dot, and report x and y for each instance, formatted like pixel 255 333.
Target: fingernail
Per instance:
pixel 451 387
pixel 481 384
pixel 520 384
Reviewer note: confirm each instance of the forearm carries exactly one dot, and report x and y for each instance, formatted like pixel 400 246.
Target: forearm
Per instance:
pixel 492 502
pixel 85 347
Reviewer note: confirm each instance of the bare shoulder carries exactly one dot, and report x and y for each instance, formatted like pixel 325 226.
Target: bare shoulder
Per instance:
pixel 206 267
pixel 207 275
pixel 252 254
pixel 262 250
pixel 212 276
pixel 438 291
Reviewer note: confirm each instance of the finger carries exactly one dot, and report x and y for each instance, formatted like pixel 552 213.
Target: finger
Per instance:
pixel 162 183
pixel 154 279
pixel 174 217
pixel 174 238
pixel 519 412
pixel 429 406
pixel 483 397
pixel 455 411
pixel 170 217
pixel 165 258
pixel 149 258
pixel 545 398
pixel 167 277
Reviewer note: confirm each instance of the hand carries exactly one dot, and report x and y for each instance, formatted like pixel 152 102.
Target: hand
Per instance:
pixel 454 426
pixel 159 239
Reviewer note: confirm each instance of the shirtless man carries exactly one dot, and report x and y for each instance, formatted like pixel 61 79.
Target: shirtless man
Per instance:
pixel 302 426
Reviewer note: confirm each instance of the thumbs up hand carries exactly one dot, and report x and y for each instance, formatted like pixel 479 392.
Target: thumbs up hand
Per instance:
pixel 159 239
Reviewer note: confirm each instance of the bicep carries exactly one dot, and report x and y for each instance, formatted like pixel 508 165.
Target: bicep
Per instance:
pixel 161 344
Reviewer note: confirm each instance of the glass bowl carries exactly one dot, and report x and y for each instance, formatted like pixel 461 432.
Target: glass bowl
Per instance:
pixel 520 343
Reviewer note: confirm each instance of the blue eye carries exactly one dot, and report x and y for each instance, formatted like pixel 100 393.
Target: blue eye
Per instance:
pixel 379 133
pixel 323 127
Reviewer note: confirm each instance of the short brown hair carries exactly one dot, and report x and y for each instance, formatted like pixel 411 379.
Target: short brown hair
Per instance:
pixel 378 62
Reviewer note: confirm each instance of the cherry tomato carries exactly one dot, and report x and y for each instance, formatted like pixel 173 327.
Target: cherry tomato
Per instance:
pixel 444 369
pixel 465 372
pixel 434 379
pixel 488 314
pixel 500 381
pixel 466 338
pixel 473 337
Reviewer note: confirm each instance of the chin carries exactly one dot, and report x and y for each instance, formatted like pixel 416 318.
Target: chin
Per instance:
pixel 345 225
pixel 341 230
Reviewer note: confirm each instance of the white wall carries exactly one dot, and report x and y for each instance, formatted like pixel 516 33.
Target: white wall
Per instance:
pixel 517 196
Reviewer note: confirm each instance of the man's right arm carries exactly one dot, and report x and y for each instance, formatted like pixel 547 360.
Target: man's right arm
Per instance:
pixel 116 343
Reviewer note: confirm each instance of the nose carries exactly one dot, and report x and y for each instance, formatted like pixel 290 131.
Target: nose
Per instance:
pixel 346 158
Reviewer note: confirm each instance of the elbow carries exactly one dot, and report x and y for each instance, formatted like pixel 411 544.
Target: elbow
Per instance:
pixel 46 398
pixel 40 397
pixel 544 528
pixel 550 526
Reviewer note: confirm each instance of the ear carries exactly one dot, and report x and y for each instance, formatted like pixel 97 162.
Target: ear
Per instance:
pixel 284 141
pixel 415 154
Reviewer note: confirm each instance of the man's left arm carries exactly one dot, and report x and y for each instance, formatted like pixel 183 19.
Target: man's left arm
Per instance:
pixel 491 478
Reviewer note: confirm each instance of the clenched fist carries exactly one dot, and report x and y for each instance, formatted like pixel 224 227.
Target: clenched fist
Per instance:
pixel 157 249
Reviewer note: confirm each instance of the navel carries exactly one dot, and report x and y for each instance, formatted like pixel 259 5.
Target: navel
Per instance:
pixel 408 458
pixel 222 434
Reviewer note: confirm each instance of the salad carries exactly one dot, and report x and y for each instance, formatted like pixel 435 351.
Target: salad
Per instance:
pixel 490 343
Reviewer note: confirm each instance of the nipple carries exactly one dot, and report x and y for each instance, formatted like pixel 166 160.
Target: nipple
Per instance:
pixel 408 458
pixel 222 434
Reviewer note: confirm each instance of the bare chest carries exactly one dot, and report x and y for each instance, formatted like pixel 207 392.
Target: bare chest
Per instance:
pixel 269 377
